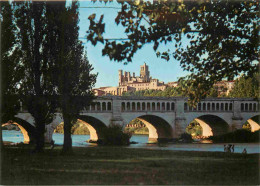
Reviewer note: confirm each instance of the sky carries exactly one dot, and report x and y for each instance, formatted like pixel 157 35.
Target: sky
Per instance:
pixel 108 70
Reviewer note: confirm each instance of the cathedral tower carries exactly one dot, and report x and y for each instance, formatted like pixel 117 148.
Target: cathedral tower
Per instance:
pixel 120 76
pixel 144 72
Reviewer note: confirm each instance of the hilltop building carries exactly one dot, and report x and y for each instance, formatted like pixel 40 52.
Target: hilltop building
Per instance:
pixel 128 82
pixel 224 87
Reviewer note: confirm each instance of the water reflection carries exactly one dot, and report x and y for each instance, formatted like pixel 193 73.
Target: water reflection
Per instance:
pixel 205 141
pixel 251 147
pixel 80 141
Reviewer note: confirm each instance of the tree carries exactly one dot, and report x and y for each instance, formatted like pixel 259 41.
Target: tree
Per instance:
pixel 55 70
pixel 115 135
pixel 71 75
pixel 246 87
pixel 194 129
pixel 213 40
pixel 168 92
pixel 36 88
pixel 213 92
pixel 10 70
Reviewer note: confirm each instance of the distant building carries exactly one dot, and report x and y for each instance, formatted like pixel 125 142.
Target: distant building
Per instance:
pixel 173 84
pixel 128 82
pixel 224 87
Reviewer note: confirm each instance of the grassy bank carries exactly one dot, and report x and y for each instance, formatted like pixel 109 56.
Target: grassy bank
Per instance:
pixel 115 165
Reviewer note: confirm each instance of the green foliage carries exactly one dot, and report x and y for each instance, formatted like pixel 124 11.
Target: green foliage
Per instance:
pixel 137 130
pixel 35 82
pixel 10 70
pixel 247 126
pixel 185 137
pixel 71 76
pixel 80 130
pixel 213 92
pixel 246 87
pixel 11 127
pixel 168 92
pixel 213 40
pixel 77 129
pixel 133 130
pixel 194 129
pixel 54 71
pixel 114 135
pixel 136 121
pixel 238 136
pixel 143 130
pixel 59 128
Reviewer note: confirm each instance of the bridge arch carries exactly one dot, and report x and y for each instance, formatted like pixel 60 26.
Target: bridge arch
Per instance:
pixel 159 129
pixel 26 128
pixel 211 125
pixel 93 124
pixel 254 122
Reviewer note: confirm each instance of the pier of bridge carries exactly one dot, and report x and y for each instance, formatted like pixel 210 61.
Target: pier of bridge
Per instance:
pixel 165 118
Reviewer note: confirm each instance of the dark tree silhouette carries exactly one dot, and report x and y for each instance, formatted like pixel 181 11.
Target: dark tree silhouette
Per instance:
pixel 35 88
pixel 246 87
pixel 55 70
pixel 71 75
pixel 213 40
pixel 10 70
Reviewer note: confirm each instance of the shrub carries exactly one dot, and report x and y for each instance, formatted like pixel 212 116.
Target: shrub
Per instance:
pixel 114 135
pixel 4 128
pixel 185 137
pixel 239 136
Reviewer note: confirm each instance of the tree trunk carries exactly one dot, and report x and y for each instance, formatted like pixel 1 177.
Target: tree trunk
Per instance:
pixel 67 144
pixel 40 130
pixel 1 138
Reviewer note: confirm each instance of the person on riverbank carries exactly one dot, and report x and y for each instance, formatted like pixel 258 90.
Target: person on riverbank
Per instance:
pixel 225 148
pixel 52 144
pixel 244 151
pixel 233 148
pixel 229 148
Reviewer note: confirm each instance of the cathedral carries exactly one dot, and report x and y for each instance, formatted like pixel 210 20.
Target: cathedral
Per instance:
pixel 128 82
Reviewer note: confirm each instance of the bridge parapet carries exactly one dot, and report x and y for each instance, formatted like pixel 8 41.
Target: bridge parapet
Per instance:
pixel 174 111
pixel 164 104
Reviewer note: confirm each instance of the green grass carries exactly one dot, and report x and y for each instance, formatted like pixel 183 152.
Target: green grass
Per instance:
pixel 117 165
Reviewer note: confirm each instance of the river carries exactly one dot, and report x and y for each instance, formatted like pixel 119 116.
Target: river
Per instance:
pixel 80 141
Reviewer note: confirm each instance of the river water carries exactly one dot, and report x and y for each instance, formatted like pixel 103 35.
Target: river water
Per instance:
pixel 80 141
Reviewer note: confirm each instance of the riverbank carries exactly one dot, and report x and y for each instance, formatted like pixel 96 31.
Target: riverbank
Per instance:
pixel 117 165
pixel 138 131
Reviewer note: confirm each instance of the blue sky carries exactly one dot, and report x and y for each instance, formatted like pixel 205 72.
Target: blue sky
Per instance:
pixel 107 69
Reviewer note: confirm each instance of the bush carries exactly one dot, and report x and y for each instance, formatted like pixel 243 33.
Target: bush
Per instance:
pixel 238 136
pixel 185 137
pixel 114 135
pixel 4 128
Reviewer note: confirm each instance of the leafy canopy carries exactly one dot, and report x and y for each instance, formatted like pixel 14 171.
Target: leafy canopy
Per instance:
pixel 246 87
pixel 213 40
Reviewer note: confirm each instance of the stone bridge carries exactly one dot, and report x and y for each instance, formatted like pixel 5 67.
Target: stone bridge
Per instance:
pixel 165 118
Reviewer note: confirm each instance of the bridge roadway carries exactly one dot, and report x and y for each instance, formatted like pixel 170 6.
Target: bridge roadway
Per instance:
pixel 165 118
